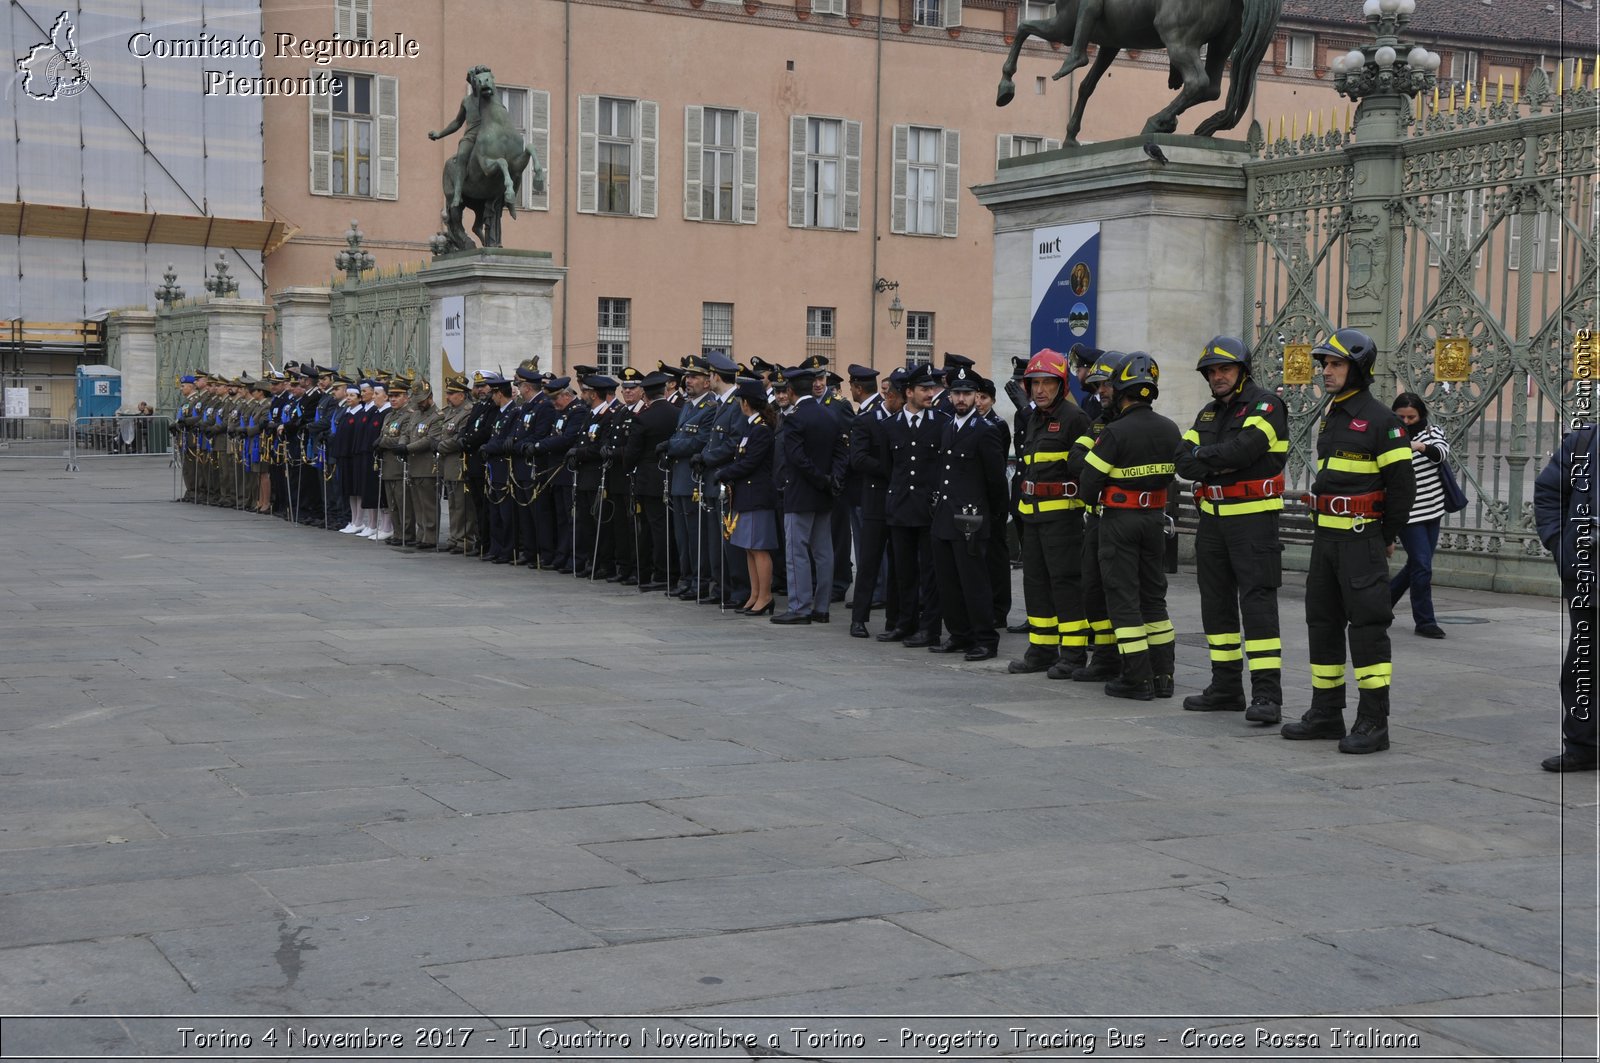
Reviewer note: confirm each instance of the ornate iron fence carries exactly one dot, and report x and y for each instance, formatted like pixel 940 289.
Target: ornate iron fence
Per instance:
pixel 1465 242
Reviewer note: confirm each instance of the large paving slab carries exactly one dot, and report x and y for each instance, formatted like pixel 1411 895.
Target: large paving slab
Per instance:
pixel 254 768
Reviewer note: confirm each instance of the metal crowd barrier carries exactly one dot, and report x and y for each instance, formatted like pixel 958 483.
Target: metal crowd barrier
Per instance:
pixel 70 439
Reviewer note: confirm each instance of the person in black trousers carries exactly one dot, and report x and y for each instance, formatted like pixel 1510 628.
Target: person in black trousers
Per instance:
pixel 1566 508
pixel 869 458
pixel 971 499
pixel 913 478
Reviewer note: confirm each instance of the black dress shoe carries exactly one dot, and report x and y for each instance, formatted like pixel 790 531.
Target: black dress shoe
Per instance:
pixel 836 597
pixel 1018 629
pixel 615 577
pixel 427 546
pixel 653 585
pixel 1430 631
pixel 982 653
pixel 819 618
pixel 896 634
pixel 564 570
pixel 499 561
pixel 582 573
pixel 1570 761
pixel 627 581
pixel 792 618
pixel 949 646
pixel 858 630
pixel 919 640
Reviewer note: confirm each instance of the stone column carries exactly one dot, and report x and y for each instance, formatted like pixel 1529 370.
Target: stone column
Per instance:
pixel 134 329
pixel 233 335
pixel 507 300
pixel 305 329
pixel 1172 269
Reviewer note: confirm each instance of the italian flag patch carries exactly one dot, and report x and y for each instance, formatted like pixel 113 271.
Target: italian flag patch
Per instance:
pixel 1264 407
pixel 1397 433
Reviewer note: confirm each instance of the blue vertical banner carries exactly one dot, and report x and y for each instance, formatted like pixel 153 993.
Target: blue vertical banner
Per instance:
pixel 1066 283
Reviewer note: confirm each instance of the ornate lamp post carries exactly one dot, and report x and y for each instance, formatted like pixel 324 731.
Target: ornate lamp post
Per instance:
pixel 1381 76
pixel 169 293
pixel 354 259
pixel 221 284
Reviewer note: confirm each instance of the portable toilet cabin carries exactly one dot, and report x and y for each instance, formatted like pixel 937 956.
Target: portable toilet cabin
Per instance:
pixel 99 392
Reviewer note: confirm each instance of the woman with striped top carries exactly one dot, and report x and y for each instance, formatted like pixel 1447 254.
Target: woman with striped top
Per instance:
pixel 1421 535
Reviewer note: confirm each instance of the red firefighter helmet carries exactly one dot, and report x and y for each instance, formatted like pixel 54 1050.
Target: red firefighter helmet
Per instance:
pixel 1046 365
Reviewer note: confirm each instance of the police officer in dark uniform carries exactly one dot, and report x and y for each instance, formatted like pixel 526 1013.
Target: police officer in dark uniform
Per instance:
pixel 869 461
pixel 1105 662
pixel 1362 496
pixel 971 497
pixel 502 526
pixel 652 427
pixel 530 408
pixel 726 562
pixel 550 454
pixel 480 427
pixel 687 439
pixel 1052 523
pixel 624 516
pixel 1126 473
pixel 1235 453
pixel 914 462
pixel 596 483
pixel 999 546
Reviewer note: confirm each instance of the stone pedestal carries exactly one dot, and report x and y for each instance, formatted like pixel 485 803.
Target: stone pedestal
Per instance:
pixel 233 335
pixel 507 304
pixel 305 328
pixel 1171 254
pixel 133 331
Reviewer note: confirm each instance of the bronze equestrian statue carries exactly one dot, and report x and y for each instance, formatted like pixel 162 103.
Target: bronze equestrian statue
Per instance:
pixel 1236 31
pixel 485 173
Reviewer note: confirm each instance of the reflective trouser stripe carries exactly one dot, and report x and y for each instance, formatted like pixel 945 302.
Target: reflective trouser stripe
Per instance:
pixel 1374 676
pixel 1265 654
pixel 1327 676
pixel 1044 631
pixel 1224 647
pixel 1131 640
pixel 1075 633
pixel 1159 632
pixel 1103 635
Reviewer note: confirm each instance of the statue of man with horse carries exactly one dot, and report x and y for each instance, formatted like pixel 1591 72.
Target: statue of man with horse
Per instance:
pixel 486 172
pixel 1227 31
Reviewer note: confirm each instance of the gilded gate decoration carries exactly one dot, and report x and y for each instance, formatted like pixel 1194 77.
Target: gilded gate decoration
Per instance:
pixel 1467 249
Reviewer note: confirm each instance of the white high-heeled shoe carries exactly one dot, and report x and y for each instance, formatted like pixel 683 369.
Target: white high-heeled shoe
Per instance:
pixel 350 529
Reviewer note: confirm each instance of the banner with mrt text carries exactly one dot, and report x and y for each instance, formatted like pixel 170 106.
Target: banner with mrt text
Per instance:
pixel 1066 282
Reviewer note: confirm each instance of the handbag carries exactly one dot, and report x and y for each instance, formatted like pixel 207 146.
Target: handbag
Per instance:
pixel 1455 499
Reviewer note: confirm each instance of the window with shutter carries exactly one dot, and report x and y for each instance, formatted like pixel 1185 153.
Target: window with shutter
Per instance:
pixel 749 165
pixel 952 181
pixel 539 143
pixel 919 338
pixel 898 177
pixel 588 154
pixel 1546 238
pixel 354 139
pixel 719 155
pixel 852 176
pixel 648 134
pixel 820 332
pixel 950 15
pixel 388 138
pixel 928 13
pixel 363 19
pixel 1301 51
pixel 693 160
pixel 828 7
pixel 321 143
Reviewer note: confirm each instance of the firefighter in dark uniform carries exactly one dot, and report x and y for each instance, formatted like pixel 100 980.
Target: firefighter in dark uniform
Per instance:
pixel 1127 472
pixel 1052 523
pixel 1362 496
pixel 1105 663
pixel 1235 453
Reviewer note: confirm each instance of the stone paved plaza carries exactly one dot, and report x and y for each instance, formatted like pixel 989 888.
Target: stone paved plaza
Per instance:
pixel 254 769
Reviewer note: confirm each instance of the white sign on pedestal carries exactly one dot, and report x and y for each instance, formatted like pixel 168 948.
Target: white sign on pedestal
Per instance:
pixel 453 309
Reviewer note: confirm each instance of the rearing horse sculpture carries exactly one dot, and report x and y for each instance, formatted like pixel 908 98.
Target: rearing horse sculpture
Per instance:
pixel 486 172
pixel 1236 31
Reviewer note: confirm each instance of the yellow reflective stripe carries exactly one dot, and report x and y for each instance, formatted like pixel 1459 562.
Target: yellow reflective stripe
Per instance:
pixel 1328 520
pixel 1083 441
pixel 1044 455
pixel 1159 632
pixel 1280 447
pixel 1130 633
pixel 1262 645
pixel 1042 621
pixel 1266 664
pixel 1051 506
pixel 1220 655
pixel 1237 509
pixel 1098 462
pixel 1374 676
pixel 1389 457
pixel 1226 638
pixel 1262 425
pixel 1044 640
pixel 1348 465
pixel 1191 436
pixel 1319 683
pixel 1138 646
pixel 1328 671
pixel 1158 469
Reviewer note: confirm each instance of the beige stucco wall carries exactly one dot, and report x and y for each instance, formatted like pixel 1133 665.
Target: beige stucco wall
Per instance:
pixel 718 55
